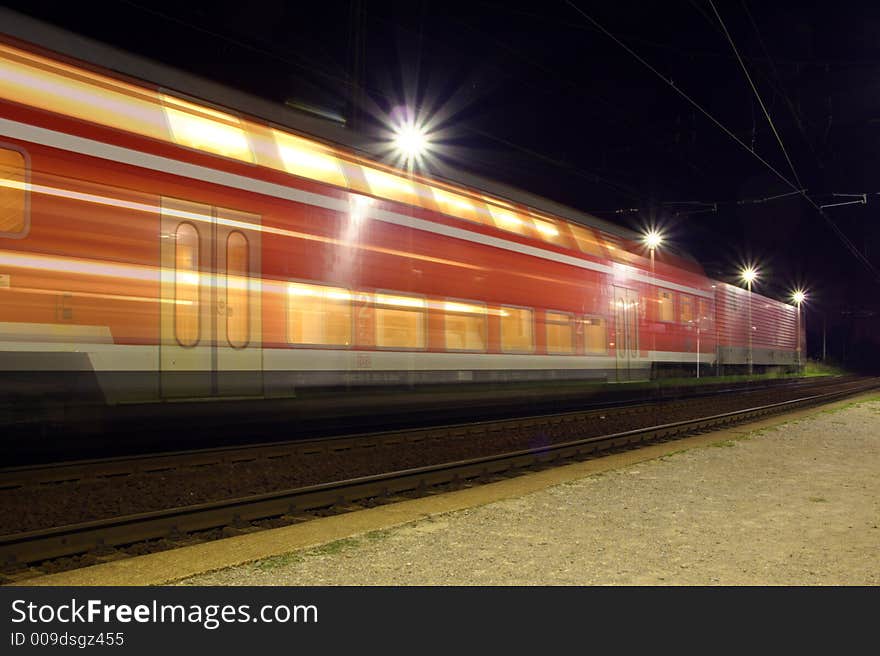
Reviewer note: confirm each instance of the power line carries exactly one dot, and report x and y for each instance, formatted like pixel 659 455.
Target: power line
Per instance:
pixel 671 83
pixel 755 90
pixel 838 232
pixel 778 89
pixel 819 208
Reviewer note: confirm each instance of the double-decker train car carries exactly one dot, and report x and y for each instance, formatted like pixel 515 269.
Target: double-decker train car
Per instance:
pixel 164 238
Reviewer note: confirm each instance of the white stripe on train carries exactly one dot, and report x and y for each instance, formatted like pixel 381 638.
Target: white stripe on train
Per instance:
pixel 121 357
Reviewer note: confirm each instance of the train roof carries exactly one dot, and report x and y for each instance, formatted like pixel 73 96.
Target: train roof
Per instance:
pixel 113 59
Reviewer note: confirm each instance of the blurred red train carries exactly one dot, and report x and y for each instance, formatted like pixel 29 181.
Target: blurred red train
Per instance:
pixel 172 247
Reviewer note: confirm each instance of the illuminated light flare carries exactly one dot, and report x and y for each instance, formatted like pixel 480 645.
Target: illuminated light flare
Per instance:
pixel 748 274
pixel 411 141
pixel 653 238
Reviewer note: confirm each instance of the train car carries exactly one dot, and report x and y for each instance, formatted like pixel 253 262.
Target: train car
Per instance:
pixel 776 336
pixel 163 238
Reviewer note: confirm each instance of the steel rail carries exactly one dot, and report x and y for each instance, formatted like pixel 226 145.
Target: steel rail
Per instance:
pixel 18 476
pixel 34 546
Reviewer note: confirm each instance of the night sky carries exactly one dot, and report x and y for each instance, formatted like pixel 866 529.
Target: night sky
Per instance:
pixel 545 97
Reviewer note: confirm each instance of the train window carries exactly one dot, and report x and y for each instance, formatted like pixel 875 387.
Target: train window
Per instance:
pixel 586 240
pixel 307 159
pixel 387 185
pixel 237 296
pixel 686 308
pixel 595 337
pixel 317 314
pixel 465 326
pixel 613 244
pixel 703 313
pixel 560 336
pixel 13 193
pixel 457 205
pixel 400 321
pixel 187 285
pixel 548 231
pixel 516 329
pixel 203 128
pixel 508 220
pixel 63 89
pixel 665 308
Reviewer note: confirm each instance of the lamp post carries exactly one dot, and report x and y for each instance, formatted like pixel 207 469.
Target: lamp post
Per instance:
pixel 748 274
pixel 798 296
pixel 653 239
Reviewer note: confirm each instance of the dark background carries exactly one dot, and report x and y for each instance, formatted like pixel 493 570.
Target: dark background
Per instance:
pixel 539 96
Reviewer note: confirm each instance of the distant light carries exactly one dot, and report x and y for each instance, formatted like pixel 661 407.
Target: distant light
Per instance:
pixel 653 239
pixel 411 141
pixel 798 296
pixel 748 274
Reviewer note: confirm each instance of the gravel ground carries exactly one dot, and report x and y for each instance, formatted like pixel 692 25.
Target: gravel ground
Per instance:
pixel 794 505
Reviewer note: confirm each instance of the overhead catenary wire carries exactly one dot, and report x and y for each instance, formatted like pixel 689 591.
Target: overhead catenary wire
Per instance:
pixel 757 95
pixel 671 83
pixel 819 208
pixel 779 90
pixel 838 232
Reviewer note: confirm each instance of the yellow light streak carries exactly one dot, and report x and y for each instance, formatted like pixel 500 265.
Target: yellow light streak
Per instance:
pixel 388 186
pixel 318 291
pixel 400 301
pixel 453 201
pixel 71 91
pixel 304 158
pixel 113 297
pixel 232 223
pixel 464 308
pixel 546 228
pixel 206 129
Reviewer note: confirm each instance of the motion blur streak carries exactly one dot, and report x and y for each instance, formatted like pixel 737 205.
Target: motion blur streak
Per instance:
pixel 232 223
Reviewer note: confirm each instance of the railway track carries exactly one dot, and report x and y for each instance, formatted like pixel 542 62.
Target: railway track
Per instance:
pixel 293 504
pixel 129 431
pixel 157 462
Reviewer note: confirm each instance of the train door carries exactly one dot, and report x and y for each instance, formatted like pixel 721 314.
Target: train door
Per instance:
pixel 210 318
pixel 626 327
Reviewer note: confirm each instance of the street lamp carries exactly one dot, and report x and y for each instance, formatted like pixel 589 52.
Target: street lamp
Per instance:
pixel 749 275
pixel 653 239
pixel 410 141
pixel 798 296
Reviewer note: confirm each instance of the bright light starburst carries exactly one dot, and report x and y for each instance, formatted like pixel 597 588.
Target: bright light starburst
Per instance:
pixel 653 238
pixel 749 274
pixel 411 141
